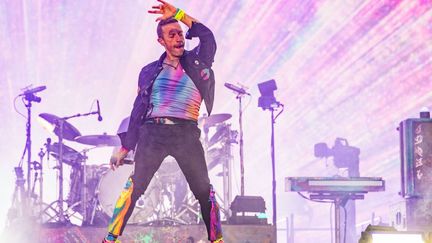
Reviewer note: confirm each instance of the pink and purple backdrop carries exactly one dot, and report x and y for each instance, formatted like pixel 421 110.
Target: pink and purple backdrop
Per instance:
pixel 351 69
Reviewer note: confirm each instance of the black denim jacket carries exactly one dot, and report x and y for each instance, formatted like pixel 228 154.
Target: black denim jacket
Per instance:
pixel 197 64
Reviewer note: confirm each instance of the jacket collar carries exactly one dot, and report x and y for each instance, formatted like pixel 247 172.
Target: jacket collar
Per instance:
pixel 161 59
pixel 163 56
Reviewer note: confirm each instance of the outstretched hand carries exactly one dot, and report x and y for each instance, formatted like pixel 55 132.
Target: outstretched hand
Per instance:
pixel 165 9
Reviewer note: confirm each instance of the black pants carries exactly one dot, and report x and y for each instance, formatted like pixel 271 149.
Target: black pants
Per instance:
pixel 156 142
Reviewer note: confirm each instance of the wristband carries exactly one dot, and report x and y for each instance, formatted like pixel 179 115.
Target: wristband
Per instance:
pixel 179 14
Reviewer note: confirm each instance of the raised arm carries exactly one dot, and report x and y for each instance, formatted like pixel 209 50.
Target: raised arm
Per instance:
pixel 206 49
pixel 167 11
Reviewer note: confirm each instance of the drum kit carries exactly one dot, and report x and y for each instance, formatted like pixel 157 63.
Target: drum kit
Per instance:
pixel 94 189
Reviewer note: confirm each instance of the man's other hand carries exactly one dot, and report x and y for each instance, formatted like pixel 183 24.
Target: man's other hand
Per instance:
pixel 117 158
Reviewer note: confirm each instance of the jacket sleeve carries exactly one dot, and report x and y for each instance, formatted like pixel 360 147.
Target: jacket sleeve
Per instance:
pixel 206 49
pixel 129 139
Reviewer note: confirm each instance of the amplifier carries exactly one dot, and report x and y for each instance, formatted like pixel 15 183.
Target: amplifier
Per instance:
pixel 416 172
pixel 416 157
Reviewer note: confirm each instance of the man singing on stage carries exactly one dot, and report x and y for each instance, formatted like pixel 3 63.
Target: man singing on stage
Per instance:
pixel 164 118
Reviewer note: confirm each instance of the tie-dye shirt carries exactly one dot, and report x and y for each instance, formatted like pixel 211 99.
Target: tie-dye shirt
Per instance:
pixel 174 94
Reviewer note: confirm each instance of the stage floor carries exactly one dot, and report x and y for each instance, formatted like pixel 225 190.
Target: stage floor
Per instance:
pixel 138 234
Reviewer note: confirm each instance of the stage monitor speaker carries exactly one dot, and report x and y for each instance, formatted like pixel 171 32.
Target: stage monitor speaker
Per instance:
pixel 248 204
pixel 248 210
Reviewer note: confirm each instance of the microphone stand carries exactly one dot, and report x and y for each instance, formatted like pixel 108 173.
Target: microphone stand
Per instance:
pixel 240 93
pixel 239 97
pixel 28 105
pixel 29 97
pixel 22 196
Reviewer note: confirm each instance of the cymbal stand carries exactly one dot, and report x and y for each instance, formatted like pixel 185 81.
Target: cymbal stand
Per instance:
pixel 84 190
pixel 61 214
pixel 40 201
pixel 60 123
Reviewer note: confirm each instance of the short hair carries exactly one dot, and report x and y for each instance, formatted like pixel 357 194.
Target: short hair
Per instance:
pixel 163 23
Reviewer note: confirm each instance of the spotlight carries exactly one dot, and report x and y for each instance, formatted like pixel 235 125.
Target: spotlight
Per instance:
pixel 385 234
pixel 267 99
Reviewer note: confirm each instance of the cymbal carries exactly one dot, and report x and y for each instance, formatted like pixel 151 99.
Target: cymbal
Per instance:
pixel 69 131
pixel 221 131
pixel 99 140
pixel 70 155
pixel 213 119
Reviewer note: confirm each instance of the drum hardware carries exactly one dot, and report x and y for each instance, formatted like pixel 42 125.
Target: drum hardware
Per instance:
pixel 213 120
pixel 82 195
pixel 84 191
pixel 167 200
pixel 219 153
pixel 82 199
pixel 63 130
pixel 70 156
pixel 52 123
pixel 18 208
pixel 188 212
pixel 110 186
pixel 41 155
pixel 37 168
pixel 205 122
pixel 102 140
pixel 91 175
pixel 21 197
pixel 99 140
pixel 21 200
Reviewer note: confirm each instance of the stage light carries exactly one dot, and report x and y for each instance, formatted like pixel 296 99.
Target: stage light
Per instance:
pixel 267 99
pixel 397 237
pixel 385 234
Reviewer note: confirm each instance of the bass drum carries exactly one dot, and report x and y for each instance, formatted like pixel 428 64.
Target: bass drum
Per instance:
pixel 111 185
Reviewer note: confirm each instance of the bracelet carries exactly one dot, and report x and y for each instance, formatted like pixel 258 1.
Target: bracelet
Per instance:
pixel 179 14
